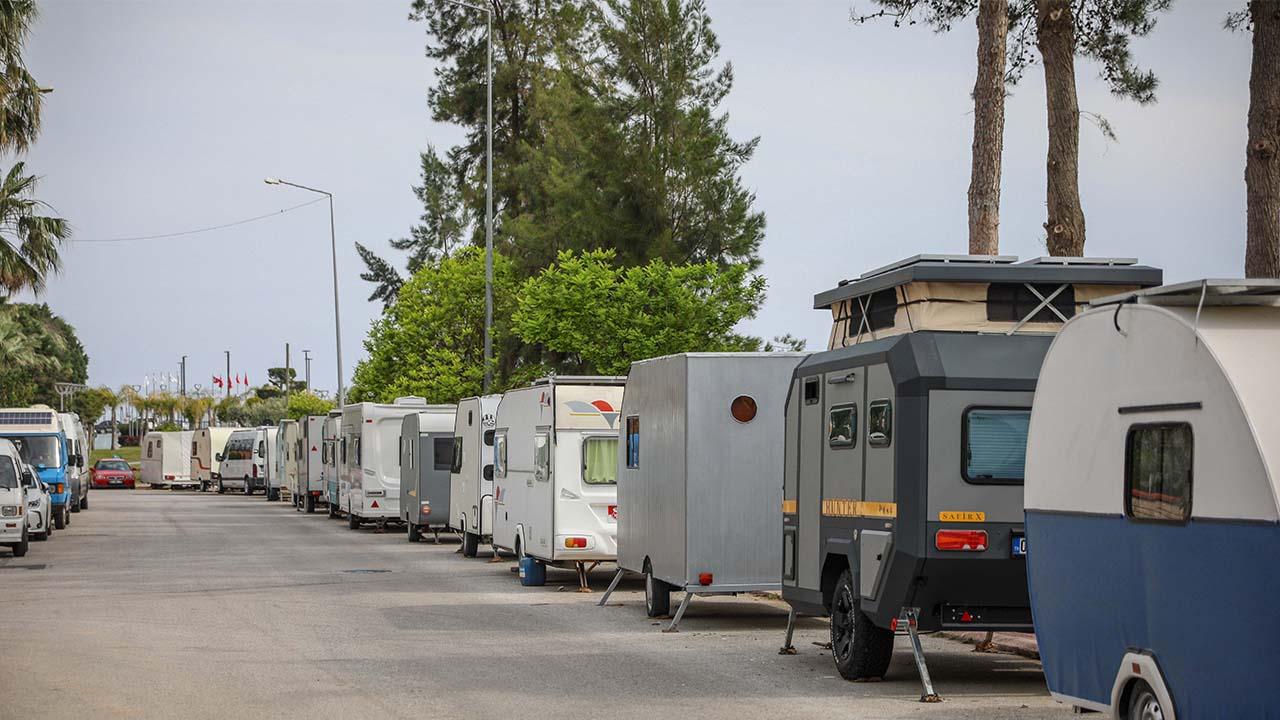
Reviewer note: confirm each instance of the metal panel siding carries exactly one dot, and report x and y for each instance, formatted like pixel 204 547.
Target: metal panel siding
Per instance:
pixel 842 466
pixel 812 430
pixel 651 497
pixel 790 480
pixel 878 484
pixel 410 489
pixel 948 490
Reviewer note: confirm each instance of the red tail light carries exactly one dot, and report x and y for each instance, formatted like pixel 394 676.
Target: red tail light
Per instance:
pixel 962 540
pixel 575 543
pixel 168 477
pixel 705 578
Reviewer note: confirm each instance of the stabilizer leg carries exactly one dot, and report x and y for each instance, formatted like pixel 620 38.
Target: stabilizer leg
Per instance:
pixel 909 617
pixel 675 621
pixel 613 585
pixel 787 648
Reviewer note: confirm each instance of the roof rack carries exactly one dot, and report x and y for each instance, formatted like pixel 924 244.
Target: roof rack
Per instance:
pixel 965 259
pixel 1064 260
pixel 1258 291
pixel 581 379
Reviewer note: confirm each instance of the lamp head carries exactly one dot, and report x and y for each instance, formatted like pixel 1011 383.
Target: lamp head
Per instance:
pixel 271 181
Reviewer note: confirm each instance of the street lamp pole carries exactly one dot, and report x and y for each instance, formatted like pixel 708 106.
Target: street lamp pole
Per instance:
pixel 488 196
pixel 306 356
pixel 333 249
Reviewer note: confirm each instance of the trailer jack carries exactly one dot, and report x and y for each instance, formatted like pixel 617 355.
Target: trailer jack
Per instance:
pixel 909 617
pixel 613 585
pixel 787 648
pixel 675 621
pixel 583 585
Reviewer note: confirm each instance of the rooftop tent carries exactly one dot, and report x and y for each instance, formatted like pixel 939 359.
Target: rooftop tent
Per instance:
pixel 974 293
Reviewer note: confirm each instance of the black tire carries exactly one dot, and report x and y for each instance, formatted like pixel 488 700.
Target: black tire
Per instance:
pixel 1143 703
pixel 222 490
pixel 248 489
pixel 75 504
pixel 20 548
pixel 272 494
pixel 353 522
pixel 60 519
pixel 41 537
pixel 657 596
pixel 84 501
pixel 860 649
pixel 470 544
pixel 309 503
pixel 333 511
pixel 415 532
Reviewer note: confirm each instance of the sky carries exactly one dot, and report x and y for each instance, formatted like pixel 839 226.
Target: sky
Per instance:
pixel 166 116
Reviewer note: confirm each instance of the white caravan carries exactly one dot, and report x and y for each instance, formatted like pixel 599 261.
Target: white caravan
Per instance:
pixel 471 477
pixel 245 463
pixel 284 474
pixel 329 474
pixel 371 459
pixel 166 459
pixel 14 479
pixel 426 458
pixel 78 450
pixel 555 471
pixel 206 445
pixel 308 485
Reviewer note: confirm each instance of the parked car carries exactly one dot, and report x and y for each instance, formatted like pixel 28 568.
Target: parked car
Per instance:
pixel 111 472
pixel 39 505
pixel 13 504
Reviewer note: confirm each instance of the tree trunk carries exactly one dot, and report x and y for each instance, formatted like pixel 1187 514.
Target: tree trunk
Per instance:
pixel 1055 35
pixel 114 428
pixel 1262 164
pixel 988 128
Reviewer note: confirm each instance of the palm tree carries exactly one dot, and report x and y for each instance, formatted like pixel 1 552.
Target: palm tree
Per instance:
pixel 21 97
pixel 29 240
pixel 113 401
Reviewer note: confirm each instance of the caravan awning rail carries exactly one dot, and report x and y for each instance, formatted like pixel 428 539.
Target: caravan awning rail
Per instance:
pixel 1262 292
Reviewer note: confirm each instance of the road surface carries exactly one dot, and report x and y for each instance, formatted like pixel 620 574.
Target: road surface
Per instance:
pixel 182 605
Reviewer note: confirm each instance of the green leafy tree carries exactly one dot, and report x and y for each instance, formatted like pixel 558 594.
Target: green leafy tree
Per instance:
pixel 595 317
pixel 90 403
pixel 58 355
pixel 302 404
pixel 429 342
pixel 256 412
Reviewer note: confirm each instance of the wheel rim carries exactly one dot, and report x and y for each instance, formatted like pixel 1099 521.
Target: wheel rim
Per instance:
pixel 1148 707
pixel 842 624
pixel 648 592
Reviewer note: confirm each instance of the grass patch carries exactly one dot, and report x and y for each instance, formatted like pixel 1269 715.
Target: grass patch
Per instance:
pixel 132 455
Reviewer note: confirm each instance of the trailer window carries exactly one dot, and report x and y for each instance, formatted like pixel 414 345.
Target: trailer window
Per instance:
pixel 633 441
pixel 456 465
pixel 994 443
pixel 880 423
pixel 811 392
pixel 600 460
pixel 1157 475
pixel 842 426
pixel 442 449
pixel 500 455
pixel 542 457
pixel 149 446
pixel 488 438
pixel 1011 302
pixel 358 448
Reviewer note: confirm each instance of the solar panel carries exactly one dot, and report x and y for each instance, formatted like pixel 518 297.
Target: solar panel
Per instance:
pixel 25 417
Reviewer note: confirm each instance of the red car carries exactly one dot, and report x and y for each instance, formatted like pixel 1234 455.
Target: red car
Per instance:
pixel 112 472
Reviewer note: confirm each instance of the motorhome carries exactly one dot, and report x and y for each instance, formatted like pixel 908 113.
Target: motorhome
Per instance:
pixel 38 435
pixel 426 457
pixel 166 459
pixel 331 435
pixel 371 459
pixel 471 475
pixel 284 474
pixel 78 445
pixel 245 464
pixel 309 487
pixel 555 472
pixel 905 442
pixel 1153 472
pixel 206 445
pixel 698 491
pixel 14 480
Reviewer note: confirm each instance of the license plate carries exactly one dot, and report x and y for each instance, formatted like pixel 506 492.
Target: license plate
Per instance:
pixel 613 513
pixel 116 481
pixel 1019 545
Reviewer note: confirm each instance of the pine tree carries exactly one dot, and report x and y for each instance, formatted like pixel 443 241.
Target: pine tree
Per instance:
pixel 1262 163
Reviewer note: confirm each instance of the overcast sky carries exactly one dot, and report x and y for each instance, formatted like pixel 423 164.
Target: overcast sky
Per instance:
pixel 167 114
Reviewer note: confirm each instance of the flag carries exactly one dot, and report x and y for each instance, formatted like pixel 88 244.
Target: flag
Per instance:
pixel 246 379
pixel 217 380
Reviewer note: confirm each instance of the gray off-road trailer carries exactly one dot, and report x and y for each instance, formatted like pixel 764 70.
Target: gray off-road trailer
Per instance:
pixel 906 441
pixel 699 460
pixel 426 456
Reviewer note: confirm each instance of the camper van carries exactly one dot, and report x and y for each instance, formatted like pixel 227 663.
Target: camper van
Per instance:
pixel 471 476
pixel 206 445
pixel 166 459
pixel 905 442
pixel 284 475
pixel 331 435
pixel 1152 522
pixel 38 436
pixel 426 457
pixel 14 481
pixel 308 487
pixel 245 461
pixel 555 471
pixel 371 459
pixel 698 490
pixel 78 445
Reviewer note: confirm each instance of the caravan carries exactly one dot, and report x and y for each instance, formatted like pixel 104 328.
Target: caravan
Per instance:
pixel 284 473
pixel 42 444
pixel 308 487
pixel 471 476
pixel 78 445
pixel 1151 503
pixel 331 436
pixel 206 445
pixel 555 473
pixel 166 459
pixel 426 456
pixel 371 459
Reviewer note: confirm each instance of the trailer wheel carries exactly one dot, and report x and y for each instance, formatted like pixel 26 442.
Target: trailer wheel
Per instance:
pixel 221 489
pixel 353 522
pixel 657 595
pixel 859 648
pixel 415 532
pixel 248 489
pixel 333 511
pixel 470 544
pixel 1143 703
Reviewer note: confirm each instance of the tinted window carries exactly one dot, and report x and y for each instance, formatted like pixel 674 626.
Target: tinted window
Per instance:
pixel 542 457
pixel 842 426
pixel 8 473
pixel 995 445
pixel 1157 473
pixel 880 423
pixel 873 312
pixel 443 450
pixel 488 438
pixel 118 465
pixel 500 455
pixel 41 451
pixel 633 441
pixel 456 465
pixel 811 395
pixel 600 460
pixel 1010 302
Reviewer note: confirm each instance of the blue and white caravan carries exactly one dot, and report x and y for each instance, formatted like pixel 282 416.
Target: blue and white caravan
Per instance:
pixel 1152 477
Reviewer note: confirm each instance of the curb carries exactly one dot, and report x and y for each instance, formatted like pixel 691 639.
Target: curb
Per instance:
pixel 1021 644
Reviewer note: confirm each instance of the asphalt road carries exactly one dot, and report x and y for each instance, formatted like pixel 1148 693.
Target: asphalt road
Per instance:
pixel 182 605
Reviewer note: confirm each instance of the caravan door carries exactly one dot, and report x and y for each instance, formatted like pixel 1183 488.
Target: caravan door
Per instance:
pixel 540 494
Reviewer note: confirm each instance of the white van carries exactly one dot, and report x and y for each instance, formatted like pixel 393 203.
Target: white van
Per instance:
pixel 244 462
pixel 471 476
pixel 371 458
pixel 284 474
pixel 166 459
pixel 308 486
pixel 206 445
pixel 13 499
pixel 556 470
pixel 77 449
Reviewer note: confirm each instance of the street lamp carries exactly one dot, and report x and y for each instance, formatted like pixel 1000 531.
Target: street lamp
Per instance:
pixel 488 197
pixel 333 247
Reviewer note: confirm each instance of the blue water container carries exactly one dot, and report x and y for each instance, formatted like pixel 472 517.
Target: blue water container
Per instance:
pixel 532 572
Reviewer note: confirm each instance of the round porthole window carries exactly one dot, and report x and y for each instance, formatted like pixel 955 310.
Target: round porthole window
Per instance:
pixel 743 408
